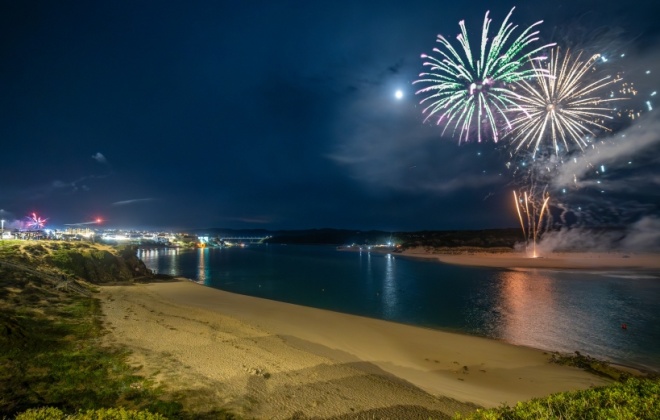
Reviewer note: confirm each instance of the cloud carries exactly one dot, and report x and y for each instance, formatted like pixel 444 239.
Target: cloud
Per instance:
pixel 384 145
pixel 6 215
pixel 57 184
pixel 99 158
pixel 132 201
pixel 72 186
pixel 616 151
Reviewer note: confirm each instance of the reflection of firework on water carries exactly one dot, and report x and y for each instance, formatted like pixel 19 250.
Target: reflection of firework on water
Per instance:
pixel 530 216
pixel 467 92
pixel 563 107
pixel 35 222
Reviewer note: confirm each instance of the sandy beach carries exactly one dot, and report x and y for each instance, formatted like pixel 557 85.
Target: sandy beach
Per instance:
pixel 267 359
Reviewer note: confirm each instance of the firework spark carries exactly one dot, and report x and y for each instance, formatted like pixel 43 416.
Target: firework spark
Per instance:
pixel 562 107
pixel 468 91
pixel 36 222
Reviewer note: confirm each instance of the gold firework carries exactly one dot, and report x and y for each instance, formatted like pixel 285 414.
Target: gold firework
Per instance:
pixel 561 104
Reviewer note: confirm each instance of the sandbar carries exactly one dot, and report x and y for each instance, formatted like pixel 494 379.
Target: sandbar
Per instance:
pixel 267 359
pixel 555 260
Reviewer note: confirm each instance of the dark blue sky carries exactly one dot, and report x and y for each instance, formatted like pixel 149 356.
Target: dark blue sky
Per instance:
pixel 266 114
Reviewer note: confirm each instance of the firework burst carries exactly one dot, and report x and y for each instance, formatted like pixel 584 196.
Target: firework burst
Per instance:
pixel 35 222
pixel 561 105
pixel 467 91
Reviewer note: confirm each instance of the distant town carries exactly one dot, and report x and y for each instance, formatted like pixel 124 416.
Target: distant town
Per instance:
pixel 142 238
pixel 220 237
pixel 34 228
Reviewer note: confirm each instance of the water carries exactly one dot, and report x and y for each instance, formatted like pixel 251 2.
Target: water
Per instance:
pixel 554 310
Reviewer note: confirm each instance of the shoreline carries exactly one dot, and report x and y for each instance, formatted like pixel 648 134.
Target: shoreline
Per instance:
pixel 261 353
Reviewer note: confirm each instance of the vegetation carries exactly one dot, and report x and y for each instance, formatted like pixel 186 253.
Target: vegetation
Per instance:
pixel 632 396
pixel 95 264
pixel 51 413
pixel 489 238
pixel 51 353
pixel 590 364
pixel 633 399
pixel 98 265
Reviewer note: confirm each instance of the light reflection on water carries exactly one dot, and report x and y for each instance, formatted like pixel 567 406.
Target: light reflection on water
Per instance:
pixel 390 301
pixel 573 310
pixel 547 309
pixel 162 260
pixel 203 271
pixel 528 308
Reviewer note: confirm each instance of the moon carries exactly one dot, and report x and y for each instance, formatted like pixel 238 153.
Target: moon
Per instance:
pixel 398 94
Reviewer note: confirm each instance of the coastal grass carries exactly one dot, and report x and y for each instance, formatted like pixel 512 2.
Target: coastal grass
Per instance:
pixel 53 361
pixel 635 398
pixel 51 355
pixel 91 262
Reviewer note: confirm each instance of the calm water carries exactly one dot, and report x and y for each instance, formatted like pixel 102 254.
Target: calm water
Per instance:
pixel 548 309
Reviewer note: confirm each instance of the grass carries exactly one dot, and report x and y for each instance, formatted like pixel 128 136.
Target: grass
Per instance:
pixel 53 363
pixel 50 345
pixel 51 356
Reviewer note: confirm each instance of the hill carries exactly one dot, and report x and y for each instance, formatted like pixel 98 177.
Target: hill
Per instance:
pixel 486 238
pixel 93 263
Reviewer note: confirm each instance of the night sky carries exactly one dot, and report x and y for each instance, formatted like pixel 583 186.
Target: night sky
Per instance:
pixel 283 115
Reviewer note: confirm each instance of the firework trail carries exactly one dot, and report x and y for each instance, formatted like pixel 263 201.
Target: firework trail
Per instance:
pixel 563 107
pixel 529 215
pixel 465 90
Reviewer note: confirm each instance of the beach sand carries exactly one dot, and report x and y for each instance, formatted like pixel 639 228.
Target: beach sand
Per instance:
pixel 267 359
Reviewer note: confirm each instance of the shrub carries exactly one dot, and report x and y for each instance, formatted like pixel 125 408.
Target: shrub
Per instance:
pixel 50 413
pixel 47 413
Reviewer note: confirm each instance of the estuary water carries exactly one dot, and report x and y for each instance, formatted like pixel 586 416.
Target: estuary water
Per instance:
pixel 555 310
